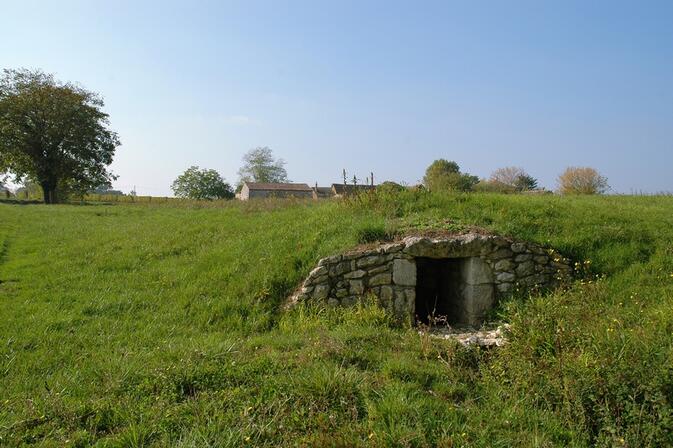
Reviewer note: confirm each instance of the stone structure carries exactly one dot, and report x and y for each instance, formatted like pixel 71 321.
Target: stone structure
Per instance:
pixel 252 190
pixel 458 277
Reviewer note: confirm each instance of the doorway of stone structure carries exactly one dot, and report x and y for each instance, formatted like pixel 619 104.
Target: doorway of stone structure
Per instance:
pixel 453 291
pixel 438 291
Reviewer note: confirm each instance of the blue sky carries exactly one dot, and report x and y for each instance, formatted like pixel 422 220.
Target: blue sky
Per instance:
pixel 367 86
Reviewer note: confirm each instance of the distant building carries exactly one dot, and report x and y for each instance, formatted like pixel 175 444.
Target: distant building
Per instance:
pixel 322 192
pixel 341 190
pixel 253 190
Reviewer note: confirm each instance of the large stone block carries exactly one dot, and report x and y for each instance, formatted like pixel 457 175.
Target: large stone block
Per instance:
pixel 478 299
pixel 476 271
pixel 404 272
pixel 386 294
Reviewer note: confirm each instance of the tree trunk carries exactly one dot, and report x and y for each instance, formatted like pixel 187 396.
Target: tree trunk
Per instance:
pixel 49 192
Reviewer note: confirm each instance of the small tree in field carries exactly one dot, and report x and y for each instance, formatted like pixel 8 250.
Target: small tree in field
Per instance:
pixel 201 184
pixel 513 177
pixel 55 134
pixel 582 180
pixel 259 165
pixel 444 175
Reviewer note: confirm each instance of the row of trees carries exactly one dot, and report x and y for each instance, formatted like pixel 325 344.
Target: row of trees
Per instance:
pixel 56 135
pixel 444 175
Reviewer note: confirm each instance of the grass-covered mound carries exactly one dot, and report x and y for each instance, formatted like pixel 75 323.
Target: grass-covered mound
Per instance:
pixel 160 326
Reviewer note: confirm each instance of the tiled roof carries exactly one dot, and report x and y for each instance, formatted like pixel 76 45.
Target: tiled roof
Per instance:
pixel 277 186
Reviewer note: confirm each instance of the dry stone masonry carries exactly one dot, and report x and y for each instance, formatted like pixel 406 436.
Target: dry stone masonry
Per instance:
pixel 459 277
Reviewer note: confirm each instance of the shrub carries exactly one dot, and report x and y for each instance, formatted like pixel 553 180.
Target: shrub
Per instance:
pixel 582 180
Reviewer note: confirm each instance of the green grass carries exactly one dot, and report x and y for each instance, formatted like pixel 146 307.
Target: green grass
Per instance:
pixel 160 325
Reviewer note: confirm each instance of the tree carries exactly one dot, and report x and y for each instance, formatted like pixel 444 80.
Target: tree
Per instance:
pixel 53 133
pixel 260 166
pixel 525 182
pixel 582 180
pixel 514 177
pixel 201 184
pixel 445 175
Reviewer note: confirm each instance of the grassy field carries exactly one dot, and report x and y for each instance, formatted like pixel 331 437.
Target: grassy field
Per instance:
pixel 160 325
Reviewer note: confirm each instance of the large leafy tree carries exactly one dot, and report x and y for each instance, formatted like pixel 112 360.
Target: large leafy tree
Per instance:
pixel 201 184
pixel 444 175
pixel 259 165
pixel 53 133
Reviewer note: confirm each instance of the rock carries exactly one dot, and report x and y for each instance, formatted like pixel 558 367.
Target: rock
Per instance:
pixel 329 260
pixel 386 294
pixel 400 303
pixel 333 302
pixel 541 259
pixel 504 287
pixel 392 248
pixel 404 272
pixel 321 292
pixel 379 269
pixel 318 280
pixel 369 261
pixel 349 301
pixel 501 253
pixel 476 271
pixel 380 279
pixel 517 248
pixel 339 269
pixel 355 274
pixel 525 268
pixel 523 257
pixel 318 272
pixel 534 280
pixel 341 293
pixel 357 287
pixel 505 277
pixel 504 265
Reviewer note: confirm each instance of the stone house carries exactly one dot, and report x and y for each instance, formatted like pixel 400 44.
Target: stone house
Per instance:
pixel 254 190
pixel 322 192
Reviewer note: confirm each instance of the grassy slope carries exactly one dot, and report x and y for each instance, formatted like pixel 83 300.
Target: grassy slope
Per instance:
pixel 136 325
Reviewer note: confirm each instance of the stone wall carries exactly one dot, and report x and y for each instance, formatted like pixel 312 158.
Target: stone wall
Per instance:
pixel 486 267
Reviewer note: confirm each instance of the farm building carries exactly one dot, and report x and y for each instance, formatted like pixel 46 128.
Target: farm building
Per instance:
pixel 252 190
pixel 322 192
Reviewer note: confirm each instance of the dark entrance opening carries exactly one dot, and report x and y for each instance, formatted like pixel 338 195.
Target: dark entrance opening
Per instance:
pixel 439 290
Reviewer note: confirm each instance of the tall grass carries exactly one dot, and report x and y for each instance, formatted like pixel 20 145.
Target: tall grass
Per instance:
pixel 161 325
